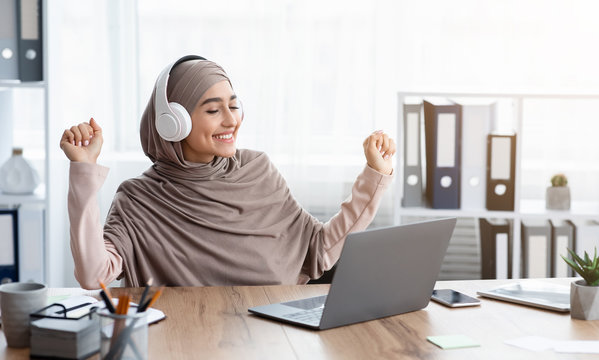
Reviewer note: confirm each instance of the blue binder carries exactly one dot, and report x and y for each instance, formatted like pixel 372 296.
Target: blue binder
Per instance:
pixel 443 133
pixel 9 246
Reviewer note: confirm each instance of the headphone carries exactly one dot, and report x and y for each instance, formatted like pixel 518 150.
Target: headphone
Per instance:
pixel 173 122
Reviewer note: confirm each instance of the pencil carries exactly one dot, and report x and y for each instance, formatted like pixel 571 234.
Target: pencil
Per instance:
pixel 107 301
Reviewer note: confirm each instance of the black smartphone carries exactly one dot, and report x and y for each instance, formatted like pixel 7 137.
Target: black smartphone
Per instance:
pixel 453 298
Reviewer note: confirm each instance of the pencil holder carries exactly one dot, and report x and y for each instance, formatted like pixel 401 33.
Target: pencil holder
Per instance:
pixel 123 336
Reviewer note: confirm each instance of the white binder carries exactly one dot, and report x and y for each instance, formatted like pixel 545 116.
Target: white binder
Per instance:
pixel 536 248
pixel 31 243
pixel 476 125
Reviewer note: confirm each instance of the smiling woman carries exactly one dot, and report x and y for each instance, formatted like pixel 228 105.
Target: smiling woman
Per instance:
pixel 205 213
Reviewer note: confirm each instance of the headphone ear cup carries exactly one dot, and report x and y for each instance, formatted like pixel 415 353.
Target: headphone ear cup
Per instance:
pixel 175 126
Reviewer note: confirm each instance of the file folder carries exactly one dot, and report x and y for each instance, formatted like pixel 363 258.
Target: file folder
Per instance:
pixel 501 171
pixel 476 125
pixel 536 248
pixel 562 237
pixel 412 174
pixel 9 250
pixel 9 53
pixel 30 40
pixel 442 123
pixel 495 249
pixel 31 243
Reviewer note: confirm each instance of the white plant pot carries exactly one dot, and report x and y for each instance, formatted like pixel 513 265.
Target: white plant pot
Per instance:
pixel 557 198
pixel 584 301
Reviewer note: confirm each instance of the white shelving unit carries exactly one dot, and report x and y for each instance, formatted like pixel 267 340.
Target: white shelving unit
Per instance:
pixel 34 207
pixel 523 208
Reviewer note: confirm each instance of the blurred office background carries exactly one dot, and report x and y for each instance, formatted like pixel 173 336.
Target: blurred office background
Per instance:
pixel 315 77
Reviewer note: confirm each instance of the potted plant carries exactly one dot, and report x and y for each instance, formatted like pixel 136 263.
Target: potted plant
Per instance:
pixel 557 196
pixel 584 294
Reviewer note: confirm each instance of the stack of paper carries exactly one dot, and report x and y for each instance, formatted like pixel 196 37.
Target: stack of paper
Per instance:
pixel 65 338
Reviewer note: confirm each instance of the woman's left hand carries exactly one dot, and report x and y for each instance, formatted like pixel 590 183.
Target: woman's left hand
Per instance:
pixel 379 149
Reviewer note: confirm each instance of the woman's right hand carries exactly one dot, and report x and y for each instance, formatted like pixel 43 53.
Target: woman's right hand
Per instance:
pixel 82 142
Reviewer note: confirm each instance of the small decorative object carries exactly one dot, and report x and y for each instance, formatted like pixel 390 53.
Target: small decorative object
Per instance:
pixel 557 196
pixel 17 176
pixel 584 294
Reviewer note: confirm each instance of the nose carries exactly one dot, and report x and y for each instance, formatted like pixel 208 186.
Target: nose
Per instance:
pixel 231 118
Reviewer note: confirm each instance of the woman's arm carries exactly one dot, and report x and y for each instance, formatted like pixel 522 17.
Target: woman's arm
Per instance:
pixel 357 211
pixel 95 258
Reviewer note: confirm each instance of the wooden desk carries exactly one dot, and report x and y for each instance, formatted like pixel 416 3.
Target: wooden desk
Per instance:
pixel 213 323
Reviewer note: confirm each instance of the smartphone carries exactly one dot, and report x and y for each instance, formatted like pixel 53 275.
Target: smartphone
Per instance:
pixel 453 298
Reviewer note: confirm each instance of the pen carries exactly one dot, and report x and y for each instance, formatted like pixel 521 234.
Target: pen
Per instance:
pixel 108 295
pixel 145 293
pixel 107 301
pixel 155 297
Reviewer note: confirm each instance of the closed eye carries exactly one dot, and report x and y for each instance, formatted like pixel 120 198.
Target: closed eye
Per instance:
pixel 212 111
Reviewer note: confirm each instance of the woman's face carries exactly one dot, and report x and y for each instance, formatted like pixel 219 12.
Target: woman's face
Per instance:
pixel 214 125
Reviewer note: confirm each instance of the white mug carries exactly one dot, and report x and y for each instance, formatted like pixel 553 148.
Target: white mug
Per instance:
pixel 17 301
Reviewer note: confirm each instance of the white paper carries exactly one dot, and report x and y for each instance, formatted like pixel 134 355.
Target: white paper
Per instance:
pixel 577 346
pixel 533 343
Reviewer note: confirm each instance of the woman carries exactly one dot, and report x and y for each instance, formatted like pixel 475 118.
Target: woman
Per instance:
pixel 206 213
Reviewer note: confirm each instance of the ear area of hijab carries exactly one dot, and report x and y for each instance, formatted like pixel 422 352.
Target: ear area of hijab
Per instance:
pixel 172 121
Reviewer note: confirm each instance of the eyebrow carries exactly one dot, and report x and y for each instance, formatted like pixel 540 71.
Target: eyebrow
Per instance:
pixel 216 99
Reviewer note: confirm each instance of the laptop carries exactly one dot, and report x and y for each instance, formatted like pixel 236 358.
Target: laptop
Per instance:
pixel 381 272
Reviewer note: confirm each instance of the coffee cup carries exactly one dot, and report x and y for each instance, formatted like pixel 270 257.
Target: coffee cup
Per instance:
pixel 17 301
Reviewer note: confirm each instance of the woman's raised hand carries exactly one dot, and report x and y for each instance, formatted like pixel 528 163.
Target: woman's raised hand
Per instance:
pixel 82 142
pixel 379 148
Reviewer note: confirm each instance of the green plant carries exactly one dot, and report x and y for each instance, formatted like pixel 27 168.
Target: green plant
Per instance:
pixel 587 268
pixel 559 180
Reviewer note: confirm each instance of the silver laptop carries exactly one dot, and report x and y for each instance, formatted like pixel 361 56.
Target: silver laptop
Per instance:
pixel 381 272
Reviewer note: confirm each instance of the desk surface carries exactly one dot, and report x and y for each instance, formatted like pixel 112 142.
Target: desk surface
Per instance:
pixel 213 323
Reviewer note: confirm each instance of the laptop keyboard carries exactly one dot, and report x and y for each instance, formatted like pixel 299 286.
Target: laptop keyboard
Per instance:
pixel 308 303
pixel 312 310
pixel 311 316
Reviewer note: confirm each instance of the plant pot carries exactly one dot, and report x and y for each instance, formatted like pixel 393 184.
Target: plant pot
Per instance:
pixel 557 198
pixel 584 301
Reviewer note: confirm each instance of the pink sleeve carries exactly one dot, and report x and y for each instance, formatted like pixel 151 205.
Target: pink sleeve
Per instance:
pixel 356 212
pixel 95 258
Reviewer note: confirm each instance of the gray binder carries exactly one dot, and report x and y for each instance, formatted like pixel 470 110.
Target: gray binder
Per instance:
pixel 9 53
pixel 536 248
pixel 30 40
pixel 476 125
pixel 412 171
pixel 562 237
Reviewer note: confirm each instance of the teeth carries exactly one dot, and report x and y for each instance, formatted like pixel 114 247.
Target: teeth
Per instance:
pixel 228 136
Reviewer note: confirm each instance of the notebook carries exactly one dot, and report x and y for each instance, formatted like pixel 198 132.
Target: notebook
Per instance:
pixel 381 272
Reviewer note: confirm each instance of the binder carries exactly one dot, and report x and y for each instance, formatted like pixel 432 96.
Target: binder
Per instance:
pixel 9 53
pixel 31 244
pixel 476 125
pixel 586 236
pixel 442 124
pixel 562 237
pixel 412 174
pixel 501 171
pixel 30 40
pixel 495 249
pixel 9 251
pixel 536 248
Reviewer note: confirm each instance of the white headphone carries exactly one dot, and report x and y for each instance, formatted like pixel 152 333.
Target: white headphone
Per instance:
pixel 173 122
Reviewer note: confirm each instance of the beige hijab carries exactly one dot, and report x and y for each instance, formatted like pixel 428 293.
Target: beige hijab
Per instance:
pixel 230 222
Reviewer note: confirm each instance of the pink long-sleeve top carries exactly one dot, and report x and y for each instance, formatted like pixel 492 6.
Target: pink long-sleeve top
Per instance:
pixel 119 250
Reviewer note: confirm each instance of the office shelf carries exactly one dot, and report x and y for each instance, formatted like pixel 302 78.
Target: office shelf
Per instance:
pixel 523 208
